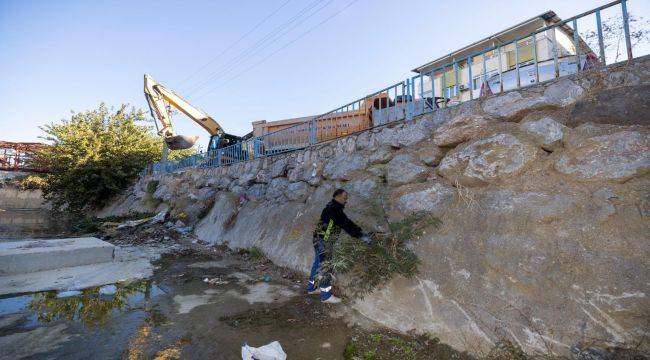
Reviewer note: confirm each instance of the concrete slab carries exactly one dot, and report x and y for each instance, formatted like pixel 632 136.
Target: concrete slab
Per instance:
pixel 19 257
pixel 129 264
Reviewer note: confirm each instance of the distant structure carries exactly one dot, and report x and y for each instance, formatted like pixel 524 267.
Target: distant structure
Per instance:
pixel 16 156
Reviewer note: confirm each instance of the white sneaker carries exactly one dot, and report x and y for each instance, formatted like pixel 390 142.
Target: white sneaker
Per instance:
pixel 331 300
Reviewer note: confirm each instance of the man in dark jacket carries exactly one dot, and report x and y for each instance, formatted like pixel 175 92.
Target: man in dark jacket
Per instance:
pixel 332 221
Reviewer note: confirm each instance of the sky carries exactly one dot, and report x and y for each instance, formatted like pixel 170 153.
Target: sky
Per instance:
pixel 240 61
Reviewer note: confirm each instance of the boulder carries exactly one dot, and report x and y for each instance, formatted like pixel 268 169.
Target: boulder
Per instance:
pixel 412 133
pixel 381 156
pixel 343 166
pixel 256 192
pixel 263 177
pixel 366 141
pixel 564 92
pixel 430 154
pixel 365 187
pixel 277 188
pixel 404 169
pixel 279 167
pixel 297 191
pixel 546 131
pixel 488 160
pixel 388 136
pixel 618 156
pixel 625 105
pixel 433 198
pixel 512 106
pixel 460 129
pixel 536 206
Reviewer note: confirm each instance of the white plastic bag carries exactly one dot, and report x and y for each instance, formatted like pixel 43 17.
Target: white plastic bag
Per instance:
pixel 272 351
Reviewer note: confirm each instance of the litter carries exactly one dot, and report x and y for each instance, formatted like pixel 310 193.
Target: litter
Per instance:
pixel 215 281
pixel 272 351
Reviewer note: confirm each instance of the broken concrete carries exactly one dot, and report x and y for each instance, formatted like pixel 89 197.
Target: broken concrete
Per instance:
pixel 18 257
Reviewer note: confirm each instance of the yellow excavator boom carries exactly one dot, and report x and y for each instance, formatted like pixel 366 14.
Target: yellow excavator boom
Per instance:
pixel 161 99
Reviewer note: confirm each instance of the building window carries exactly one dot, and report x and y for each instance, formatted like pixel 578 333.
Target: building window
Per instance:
pixel 525 53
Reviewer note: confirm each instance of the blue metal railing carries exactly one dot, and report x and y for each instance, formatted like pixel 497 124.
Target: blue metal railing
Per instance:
pixel 550 52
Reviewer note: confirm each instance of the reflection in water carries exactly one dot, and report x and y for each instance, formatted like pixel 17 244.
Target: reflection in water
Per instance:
pixel 90 308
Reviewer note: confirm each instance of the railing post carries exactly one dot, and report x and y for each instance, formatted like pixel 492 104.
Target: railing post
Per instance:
pixel 626 29
pixel 312 131
pixel 601 44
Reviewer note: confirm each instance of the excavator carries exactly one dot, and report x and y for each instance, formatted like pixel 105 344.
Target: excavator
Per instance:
pixel 161 100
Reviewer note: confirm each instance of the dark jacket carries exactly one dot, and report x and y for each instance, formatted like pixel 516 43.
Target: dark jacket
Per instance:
pixel 332 220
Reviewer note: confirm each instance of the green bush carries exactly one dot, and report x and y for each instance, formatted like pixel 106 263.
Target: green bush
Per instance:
pixel 94 155
pixel 33 182
pixel 369 266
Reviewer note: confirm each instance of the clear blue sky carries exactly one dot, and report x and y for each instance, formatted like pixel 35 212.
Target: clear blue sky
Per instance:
pixel 58 56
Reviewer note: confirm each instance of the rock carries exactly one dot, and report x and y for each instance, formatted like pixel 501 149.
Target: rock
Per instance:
pixel 564 92
pixel 263 177
pixel 618 156
pixel 412 134
pixel 388 136
pixel 512 106
pixel 461 129
pixel 224 182
pixel 279 167
pixel 380 156
pixel 246 179
pixel 404 169
pixel 625 105
pixel 430 155
pixel 343 165
pixel 378 170
pixel 366 141
pixel 277 188
pixel 546 131
pixel 538 206
pixel 433 198
pixel 488 160
pixel 256 192
pixel 108 290
pixel 365 188
pixel 297 191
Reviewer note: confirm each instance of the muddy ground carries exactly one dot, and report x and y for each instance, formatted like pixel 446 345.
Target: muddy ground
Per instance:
pixel 177 314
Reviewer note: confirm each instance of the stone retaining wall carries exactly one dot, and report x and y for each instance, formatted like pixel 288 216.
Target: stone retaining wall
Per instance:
pixel 543 195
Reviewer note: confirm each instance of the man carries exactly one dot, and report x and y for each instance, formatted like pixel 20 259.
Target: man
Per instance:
pixel 332 220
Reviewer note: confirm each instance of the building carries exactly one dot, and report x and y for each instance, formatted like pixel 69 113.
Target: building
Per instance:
pixel 552 49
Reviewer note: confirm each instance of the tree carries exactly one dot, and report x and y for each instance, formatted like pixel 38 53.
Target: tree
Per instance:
pixel 94 155
pixel 614 35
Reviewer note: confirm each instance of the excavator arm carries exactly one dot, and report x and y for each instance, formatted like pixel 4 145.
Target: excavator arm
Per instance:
pixel 161 99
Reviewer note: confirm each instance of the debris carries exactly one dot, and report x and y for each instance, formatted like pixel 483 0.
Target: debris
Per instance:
pixel 179 224
pixel 215 281
pixel 159 218
pixel 131 223
pixel 108 290
pixel 272 351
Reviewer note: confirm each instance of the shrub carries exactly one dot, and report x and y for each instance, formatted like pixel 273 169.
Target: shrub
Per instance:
pixel 369 266
pixel 33 182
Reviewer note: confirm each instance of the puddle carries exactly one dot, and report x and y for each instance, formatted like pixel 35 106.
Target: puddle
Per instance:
pixel 89 307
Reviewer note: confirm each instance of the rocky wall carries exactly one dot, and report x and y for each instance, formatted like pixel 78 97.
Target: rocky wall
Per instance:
pixel 544 199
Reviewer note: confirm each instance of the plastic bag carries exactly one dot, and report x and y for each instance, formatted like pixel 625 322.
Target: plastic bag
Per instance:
pixel 272 351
